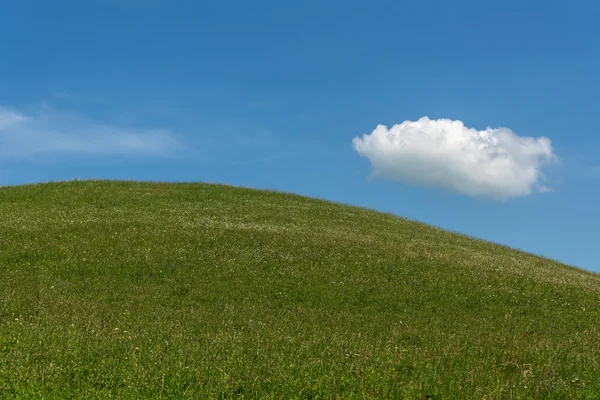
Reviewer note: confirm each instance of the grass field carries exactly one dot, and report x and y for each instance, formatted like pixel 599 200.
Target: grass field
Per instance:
pixel 190 291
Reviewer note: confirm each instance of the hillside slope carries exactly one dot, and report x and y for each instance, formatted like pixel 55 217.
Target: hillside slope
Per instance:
pixel 136 290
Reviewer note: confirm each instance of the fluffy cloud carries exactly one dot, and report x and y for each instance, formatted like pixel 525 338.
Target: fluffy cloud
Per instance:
pixel 49 131
pixel 491 163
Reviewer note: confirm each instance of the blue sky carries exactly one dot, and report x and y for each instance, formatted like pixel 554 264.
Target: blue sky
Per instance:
pixel 272 94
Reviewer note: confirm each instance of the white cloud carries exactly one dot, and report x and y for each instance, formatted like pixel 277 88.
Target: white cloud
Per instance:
pixel 9 117
pixel 51 132
pixel 491 163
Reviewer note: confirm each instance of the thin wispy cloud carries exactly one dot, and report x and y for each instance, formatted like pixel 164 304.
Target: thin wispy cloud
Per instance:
pixel 47 131
pixel 9 118
pixel 493 163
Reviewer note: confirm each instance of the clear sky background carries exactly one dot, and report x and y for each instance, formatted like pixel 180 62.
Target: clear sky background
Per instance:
pixel 278 94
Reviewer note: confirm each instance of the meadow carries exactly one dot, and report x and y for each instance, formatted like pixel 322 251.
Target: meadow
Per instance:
pixel 127 290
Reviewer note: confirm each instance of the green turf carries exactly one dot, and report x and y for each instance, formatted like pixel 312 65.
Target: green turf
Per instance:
pixel 138 290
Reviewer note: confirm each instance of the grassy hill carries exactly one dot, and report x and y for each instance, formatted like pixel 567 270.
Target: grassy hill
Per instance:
pixel 137 290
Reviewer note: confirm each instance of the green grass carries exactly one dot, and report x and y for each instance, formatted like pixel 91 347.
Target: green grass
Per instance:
pixel 138 290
